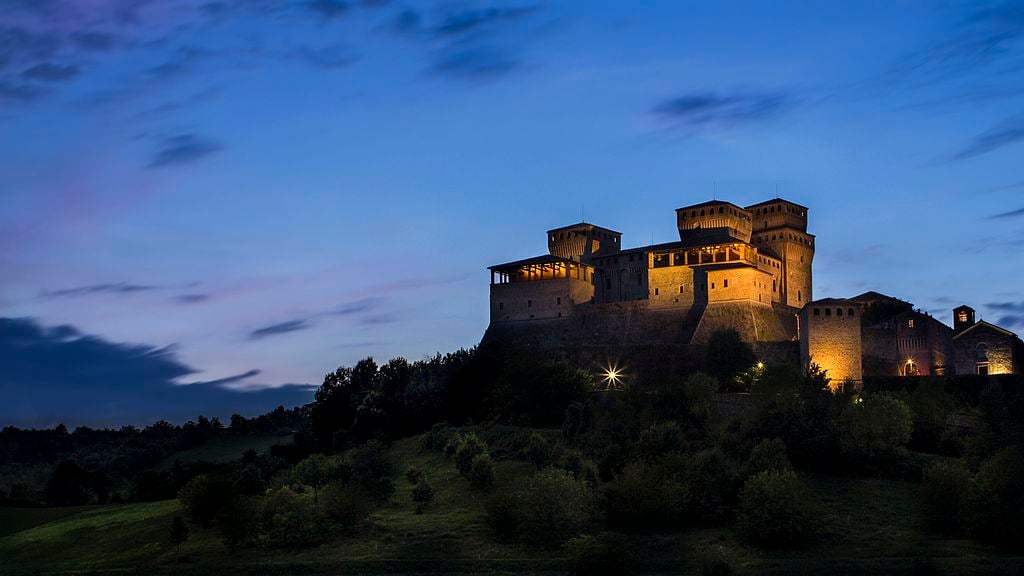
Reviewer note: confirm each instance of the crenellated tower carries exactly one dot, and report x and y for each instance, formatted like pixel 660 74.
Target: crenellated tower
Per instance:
pixel 780 230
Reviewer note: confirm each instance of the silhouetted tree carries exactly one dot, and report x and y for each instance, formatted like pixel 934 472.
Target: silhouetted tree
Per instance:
pixel 727 355
pixel 179 533
pixel 68 485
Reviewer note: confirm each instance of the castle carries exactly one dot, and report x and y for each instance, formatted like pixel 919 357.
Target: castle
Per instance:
pixel 753 262
pixel 591 301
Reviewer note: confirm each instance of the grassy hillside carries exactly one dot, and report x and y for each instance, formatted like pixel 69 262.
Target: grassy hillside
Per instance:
pixel 224 449
pixel 871 525
pixel 17 519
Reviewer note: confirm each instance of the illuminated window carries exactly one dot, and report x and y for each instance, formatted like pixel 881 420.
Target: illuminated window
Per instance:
pixel 910 323
pixel 963 316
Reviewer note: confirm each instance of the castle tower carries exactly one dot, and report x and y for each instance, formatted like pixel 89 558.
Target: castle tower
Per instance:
pixel 581 241
pixel 963 318
pixel 780 229
pixel 714 221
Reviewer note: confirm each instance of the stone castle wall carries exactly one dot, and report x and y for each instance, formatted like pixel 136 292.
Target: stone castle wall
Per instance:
pixel 999 351
pixel 831 338
pixel 538 299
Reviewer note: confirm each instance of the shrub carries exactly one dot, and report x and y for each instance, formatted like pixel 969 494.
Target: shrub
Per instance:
pixel 659 440
pixel 204 496
pixel 179 533
pixel 438 436
pixel 422 495
pixel 452 446
pixel 346 505
pixel 538 451
pixel 727 355
pixel 767 455
pixel 481 472
pixel 639 499
pixel 944 493
pixel 775 510
pixel 551 508
pixel 315 471
pixel 469 448
pixel 413 474
pixel 580 468
pixel 711 485
pixel 995 505
pixel 371 470
pixel 602 554
pixel 240 522
pixel 878 423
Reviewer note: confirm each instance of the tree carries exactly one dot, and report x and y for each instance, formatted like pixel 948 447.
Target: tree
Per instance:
pixel 469 448
pixel 179 533
pixel 877 424
pixel 315 472
pixel 727 355
pixel 538 451
pixel 775 510
pixel 68 485
pixel 204 496
pixel 481 471
pixel 422 495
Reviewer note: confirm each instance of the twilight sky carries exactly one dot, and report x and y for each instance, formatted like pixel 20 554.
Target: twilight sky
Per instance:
pixel 206 205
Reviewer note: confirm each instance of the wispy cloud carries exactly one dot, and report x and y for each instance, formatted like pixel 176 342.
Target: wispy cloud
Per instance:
pixel 183 149
pixel 328 9
pixel 225 382
pixel 20 93
pixel 1008 132
pixel 50 72
pixel 700 109
pixel 1017 307
pixel 1011 214
pixel 280 328
pixel 330 57
pixel 93 41
pixel 468 21
pixel 108 288
pixel 479 63
pixel 191 298
pixel 358 308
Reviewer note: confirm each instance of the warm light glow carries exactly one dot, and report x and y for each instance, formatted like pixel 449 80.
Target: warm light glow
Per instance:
pixel 612 377
pixel 760 365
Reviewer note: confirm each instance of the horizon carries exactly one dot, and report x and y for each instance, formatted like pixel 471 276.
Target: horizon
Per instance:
pixel 174 246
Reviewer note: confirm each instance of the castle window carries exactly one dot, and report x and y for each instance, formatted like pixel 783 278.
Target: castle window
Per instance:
pixel 501 305
pixel 725 283
pixel 529 304
pixel 799 296
pixel 817 311
pixel 828 311
pixel 655 291
pixel 774 289
pixel 849 312
pixel 608 283
pixel 558 300
pixel 839 311
pixel 910 323
pixel 681 288
pixel 701 212
pixel 712 285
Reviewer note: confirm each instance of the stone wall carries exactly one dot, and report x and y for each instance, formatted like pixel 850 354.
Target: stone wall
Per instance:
pixel 1001 350
pixel 538 299
pixel 831 338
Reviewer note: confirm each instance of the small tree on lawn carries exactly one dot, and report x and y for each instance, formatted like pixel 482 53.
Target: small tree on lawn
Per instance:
pixel 315 472
pixel 422 495
pixel 179 533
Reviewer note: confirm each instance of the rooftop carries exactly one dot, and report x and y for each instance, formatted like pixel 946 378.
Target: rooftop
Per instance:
pixel 535 261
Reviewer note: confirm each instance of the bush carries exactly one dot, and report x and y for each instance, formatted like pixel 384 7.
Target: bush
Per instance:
pixel 640 498
pixel 346 505
pixel 944 494
pixel 481 472
pixel 775 510
pixel 711 485
pixel 469 448
pixel 438 436
pixel 538 451
pixel 602 554
pixel 551 508
pixel 727 355
pixel 422 495
pixel 767 455
pixel 580 468
pixel 371 470
pixel 240 522
pixel 995 505
pixel 413 475
pixel 204 496
pixel 659 440
pixel 878 423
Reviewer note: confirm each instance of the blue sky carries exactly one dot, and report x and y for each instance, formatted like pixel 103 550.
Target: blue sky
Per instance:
pixel 250 193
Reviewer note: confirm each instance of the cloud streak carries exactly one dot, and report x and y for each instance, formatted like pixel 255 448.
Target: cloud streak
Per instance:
pixel 1006 133
pixel 702 109
pixel 109 288
pixel 359 308
pixel 183 149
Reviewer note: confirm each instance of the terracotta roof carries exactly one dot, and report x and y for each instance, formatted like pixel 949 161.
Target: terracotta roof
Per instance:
pixel 985 324
pixel 545 259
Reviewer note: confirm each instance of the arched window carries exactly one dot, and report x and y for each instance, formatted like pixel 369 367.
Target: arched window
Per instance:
pixel 910 369
pixel 981 352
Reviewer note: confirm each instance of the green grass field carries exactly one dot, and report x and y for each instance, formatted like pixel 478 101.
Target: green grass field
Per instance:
pixel 870 525
pixel 224 449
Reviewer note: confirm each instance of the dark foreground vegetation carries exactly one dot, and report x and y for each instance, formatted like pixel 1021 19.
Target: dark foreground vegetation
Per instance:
pixel 486 462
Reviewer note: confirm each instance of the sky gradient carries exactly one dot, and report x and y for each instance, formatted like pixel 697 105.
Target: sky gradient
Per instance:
pixel 241 195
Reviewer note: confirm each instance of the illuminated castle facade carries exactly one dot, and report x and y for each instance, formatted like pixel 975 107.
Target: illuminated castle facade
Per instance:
pixel 752 264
